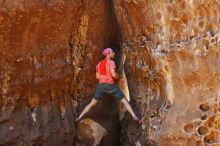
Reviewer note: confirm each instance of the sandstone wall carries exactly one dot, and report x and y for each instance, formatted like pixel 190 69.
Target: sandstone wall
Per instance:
pixel 36 72
pixel 173 69
pixel 48 53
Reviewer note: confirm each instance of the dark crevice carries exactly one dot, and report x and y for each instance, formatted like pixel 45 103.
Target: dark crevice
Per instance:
pixel 115 39
pixel 106 113
pixel 110 115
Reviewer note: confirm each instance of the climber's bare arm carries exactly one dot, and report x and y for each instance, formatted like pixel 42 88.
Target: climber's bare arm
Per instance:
pixel 97 75
pixel 119 74
pixel 114 74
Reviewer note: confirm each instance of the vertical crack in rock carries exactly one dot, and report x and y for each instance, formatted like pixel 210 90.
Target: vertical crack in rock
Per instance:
pixel 95 29
pixel 49 50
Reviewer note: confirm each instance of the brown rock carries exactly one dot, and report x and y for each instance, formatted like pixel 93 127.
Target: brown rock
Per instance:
pixel 199 143
pixel 204 107
pixel 174 66
pixel 48 53
pixel 204 117
pixel 89 130
pixel 189 127
pixel 213 122
pixel 213 137
pixel 203 130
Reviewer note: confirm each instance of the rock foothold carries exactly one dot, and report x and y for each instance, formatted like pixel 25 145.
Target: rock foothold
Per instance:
pixel 89 130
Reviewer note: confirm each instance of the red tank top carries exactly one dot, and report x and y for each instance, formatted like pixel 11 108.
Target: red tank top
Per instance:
pixel 103 68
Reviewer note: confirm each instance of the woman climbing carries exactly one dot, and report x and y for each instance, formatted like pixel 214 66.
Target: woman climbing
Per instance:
pixel 106 73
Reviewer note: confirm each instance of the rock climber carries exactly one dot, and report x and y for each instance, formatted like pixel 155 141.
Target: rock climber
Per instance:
pixel 106 73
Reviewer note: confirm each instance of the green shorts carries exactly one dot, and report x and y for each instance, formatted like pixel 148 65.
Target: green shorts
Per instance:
pixel 108 89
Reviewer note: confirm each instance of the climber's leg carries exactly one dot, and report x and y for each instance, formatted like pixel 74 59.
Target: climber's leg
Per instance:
pixel 87 109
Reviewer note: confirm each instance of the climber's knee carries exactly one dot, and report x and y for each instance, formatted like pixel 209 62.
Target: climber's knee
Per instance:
pixel 93 102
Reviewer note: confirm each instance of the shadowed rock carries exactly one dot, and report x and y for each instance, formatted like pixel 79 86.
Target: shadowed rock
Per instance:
pixel 90 132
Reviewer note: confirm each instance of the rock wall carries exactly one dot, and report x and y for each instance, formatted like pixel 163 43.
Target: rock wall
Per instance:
pixel 49 49
pixel 173 70
pixel 97 28
pixel 48 53
pixel 36 72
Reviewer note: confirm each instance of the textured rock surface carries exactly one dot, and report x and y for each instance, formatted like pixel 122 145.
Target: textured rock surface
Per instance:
pixel 174 61
pixel 48 50
pixel 35 72
pixel 89 131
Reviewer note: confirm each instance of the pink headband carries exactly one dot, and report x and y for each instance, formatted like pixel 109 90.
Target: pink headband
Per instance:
pixel 106 51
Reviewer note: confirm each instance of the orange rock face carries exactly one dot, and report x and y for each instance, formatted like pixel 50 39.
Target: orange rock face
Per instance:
pixel 90 131
pixel 173 70
pixel 36 72
pixel 48 53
